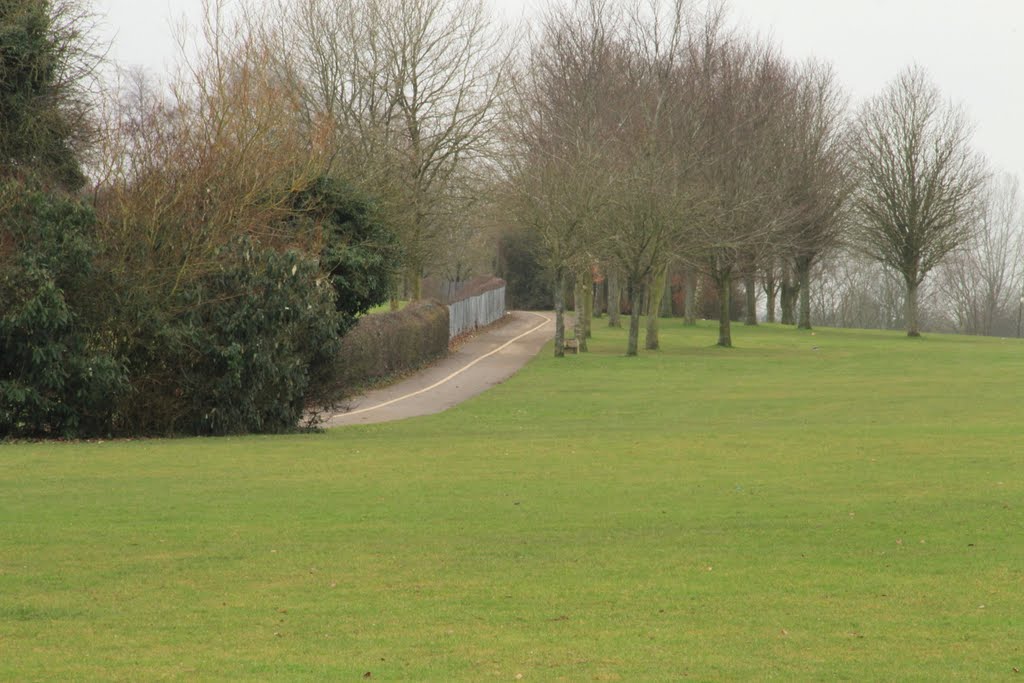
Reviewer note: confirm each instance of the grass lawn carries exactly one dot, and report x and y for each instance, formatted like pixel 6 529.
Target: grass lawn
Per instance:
pixel 854 512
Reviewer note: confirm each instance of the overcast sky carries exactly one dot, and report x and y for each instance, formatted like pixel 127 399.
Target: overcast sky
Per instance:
pixel 974 49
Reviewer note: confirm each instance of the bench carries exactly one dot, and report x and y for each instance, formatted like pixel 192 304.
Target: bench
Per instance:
pixel 571 345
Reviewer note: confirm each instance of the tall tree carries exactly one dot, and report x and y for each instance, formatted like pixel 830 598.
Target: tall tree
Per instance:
pixel 983 281
pixel 48 61
pixel 656 155
pixel 918 180
pixel 411 88
pixel 556 165
pixel 744 89
pixel 818 180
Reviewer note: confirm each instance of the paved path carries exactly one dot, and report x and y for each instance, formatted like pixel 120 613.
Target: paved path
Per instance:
pixel 485 360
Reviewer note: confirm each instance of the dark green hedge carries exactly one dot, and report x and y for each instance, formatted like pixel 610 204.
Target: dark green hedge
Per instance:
pixel 254 335
pixel 243 342
pixel 58 377
pixel 390 343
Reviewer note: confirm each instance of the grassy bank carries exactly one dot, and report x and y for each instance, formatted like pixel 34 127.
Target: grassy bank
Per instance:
pixel 845 506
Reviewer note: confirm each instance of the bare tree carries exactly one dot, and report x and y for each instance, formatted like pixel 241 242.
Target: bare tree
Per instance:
pixel 818 177
pixel 555 162
pixel 655 156
pixel 411 88
pixel 918 180
pixel 744 87
pixel 770 280
pixel 854 291
pixel 983 280
pixel 181 173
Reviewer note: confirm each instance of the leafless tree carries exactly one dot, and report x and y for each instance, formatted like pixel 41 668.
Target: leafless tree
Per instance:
pixel 817 170
pixel 854 291
pixel 983 280
pixel 744 90
pixel 655 157
pixel 180 173
pixel 918 180
pixel 411 88
pixel 555 159
pixel 769 275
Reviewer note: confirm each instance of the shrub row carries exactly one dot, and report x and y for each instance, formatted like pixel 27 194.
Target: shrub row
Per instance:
pixel 390 343
pixel 236 349
pixel 95 342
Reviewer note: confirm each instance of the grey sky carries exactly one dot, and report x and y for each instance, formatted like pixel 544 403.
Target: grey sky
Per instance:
pixel 974 49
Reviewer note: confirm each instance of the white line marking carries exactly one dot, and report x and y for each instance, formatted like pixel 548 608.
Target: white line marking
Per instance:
pixel 454 374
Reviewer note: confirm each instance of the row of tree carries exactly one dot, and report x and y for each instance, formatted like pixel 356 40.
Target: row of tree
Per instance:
pixel 646 134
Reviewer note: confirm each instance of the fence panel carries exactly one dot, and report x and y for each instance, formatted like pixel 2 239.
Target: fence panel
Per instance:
pixel 476 311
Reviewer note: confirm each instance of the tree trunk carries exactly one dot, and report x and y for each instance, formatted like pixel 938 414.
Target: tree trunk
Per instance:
pixel 657 294
pixel 911 311
pixel 560 314
pixel 635 293
pixel 724 327
pixel 415 285
pixel 587 293
pixel 598 308
pixel 396 288
pixel 787 297
pixel 690 297
pixel 665 310
pixel 614 299
pixel 769 303
pixel 750 285
pixel 803 272
pixel 579 308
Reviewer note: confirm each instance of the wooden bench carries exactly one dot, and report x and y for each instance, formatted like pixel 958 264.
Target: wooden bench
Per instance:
pixel 571 345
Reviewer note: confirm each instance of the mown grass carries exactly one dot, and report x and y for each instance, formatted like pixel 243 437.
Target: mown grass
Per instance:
pixel 775 511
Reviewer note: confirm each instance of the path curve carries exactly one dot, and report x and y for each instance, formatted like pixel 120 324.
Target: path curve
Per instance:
pixel 485 360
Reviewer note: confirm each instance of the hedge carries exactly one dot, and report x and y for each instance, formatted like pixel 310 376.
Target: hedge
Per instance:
pixel 390 343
